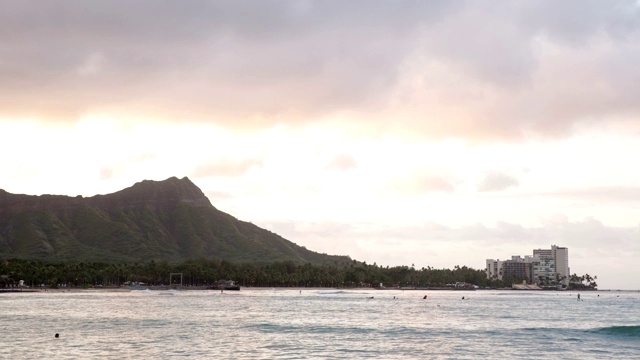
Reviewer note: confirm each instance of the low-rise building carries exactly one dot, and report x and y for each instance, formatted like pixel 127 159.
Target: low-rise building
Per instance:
pixel 518 269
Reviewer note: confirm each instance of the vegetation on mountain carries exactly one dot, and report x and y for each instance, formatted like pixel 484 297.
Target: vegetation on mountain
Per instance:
pixel 169 220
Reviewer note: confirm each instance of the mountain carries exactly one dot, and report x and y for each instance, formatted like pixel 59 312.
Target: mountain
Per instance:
pixel 161 220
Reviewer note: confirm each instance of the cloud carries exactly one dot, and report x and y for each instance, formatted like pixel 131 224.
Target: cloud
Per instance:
pixel 202 59
pixel 598 194
pixel 431 69
pixel 413 184
pixel 592 233
pixel 93 65
pixel 497 181
pixel 215 196
pixel 106 173
pixel 593 246
pixel 342 162
pixel 226 167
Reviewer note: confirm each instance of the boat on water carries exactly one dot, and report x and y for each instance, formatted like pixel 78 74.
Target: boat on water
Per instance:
pixel 226 285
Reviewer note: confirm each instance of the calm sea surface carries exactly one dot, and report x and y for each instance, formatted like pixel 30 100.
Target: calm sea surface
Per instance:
pixel 320 324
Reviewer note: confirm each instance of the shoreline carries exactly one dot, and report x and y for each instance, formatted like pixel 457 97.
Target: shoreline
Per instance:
pixel 263 288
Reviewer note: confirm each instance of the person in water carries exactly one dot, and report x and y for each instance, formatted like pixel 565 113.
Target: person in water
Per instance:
pixel 57 335
pixel 578 297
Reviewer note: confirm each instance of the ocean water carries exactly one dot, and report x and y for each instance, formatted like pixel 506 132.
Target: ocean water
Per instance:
pixel 319 324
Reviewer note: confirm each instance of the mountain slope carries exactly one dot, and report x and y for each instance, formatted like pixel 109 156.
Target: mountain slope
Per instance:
pixel 161 220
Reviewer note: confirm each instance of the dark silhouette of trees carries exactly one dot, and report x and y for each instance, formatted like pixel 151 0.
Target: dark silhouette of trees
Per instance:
pixel 206 272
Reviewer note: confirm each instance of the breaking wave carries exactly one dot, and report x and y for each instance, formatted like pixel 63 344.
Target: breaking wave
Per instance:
pixel 627 331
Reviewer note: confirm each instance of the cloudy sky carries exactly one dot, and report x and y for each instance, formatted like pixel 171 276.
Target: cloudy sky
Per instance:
pixel 410 132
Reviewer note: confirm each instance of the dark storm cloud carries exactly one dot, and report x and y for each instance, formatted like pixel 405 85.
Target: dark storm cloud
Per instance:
pixel 264 61
pixel 260 56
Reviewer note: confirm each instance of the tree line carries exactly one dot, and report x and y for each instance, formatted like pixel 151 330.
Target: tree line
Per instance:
pixel 204 272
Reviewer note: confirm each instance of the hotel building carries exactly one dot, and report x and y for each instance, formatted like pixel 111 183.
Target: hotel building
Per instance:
pixel 546 266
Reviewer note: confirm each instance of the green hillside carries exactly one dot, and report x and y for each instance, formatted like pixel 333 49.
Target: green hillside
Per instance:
pixel 153 220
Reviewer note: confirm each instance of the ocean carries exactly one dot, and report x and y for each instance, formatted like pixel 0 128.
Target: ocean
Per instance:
pixel 320 324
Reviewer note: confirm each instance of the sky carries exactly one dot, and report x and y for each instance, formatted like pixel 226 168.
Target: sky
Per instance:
pixel 426 133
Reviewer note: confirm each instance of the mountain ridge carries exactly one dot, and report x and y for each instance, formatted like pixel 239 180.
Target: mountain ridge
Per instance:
pixel 152 220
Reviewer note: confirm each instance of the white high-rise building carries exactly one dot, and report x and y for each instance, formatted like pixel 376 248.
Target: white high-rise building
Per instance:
pixel 544 269
pixel 494 269
pixel 560 258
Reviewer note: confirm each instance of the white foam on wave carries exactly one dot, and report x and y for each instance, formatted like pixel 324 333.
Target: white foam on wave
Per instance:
pixel 326 292
pixel 145 291
pixel 155 292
